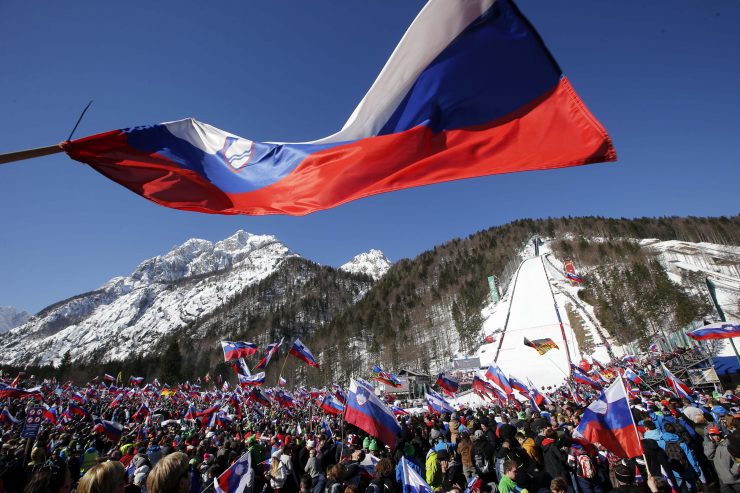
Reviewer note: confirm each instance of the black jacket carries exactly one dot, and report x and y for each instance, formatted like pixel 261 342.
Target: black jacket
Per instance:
pixel 554 460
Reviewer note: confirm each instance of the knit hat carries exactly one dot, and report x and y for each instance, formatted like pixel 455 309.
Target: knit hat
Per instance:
pixel 408 450
pixel 478 434
pixel 624 474
pixel 713 430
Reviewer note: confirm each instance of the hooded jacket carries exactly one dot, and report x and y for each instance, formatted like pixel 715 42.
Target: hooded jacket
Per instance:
pixel 554 459
pixel 669 438
pixel 727 469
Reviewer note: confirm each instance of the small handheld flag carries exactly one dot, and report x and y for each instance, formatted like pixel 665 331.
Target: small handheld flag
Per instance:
pixel 252 380
pixel 300 351
pixel 447 383
pixel 385 377
pixel 271 350
pixel 541 345
pixel 237 349
pixel 438 404
pixel 495 375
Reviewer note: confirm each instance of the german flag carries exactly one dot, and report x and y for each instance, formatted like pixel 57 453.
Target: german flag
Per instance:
pixel 541 345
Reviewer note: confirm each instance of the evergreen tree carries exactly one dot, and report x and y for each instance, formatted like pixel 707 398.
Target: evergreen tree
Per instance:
pixel 170 363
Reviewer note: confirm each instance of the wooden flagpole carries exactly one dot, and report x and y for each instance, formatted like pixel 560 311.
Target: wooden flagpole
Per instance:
pixel 11 157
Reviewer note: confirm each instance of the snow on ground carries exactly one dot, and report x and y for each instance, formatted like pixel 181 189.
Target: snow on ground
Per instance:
pixel 532 315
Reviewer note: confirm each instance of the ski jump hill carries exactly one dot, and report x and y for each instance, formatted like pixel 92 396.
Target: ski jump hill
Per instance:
pixel 529 305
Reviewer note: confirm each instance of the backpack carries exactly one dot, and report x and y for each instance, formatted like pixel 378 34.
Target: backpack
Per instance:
pixel 482 464
pixel 677 458
pixel 585 467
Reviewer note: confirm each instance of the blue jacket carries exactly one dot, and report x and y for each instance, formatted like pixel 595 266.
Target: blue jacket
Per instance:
pixel 670 437
pixel 656 435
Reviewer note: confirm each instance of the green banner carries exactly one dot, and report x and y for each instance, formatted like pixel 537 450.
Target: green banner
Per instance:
pixel 495 297
pixel 713 294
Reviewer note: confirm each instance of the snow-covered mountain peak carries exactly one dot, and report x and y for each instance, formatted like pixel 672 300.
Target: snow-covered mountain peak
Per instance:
pixel 374 263
pixel 10 317
pixel 131 314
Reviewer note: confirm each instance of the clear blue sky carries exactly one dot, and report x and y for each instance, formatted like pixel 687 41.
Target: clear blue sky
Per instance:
pixel 662 76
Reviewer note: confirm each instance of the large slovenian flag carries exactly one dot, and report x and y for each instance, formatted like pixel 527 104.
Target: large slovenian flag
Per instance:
pixel 470 90
pixel 259 397
pixel 300 351
pixel 367 412
pixel 234 479
pixel 50 414
pixel 719 330
pixel 495 375
pixel 608 421
pixel 237 349
pixel 111 429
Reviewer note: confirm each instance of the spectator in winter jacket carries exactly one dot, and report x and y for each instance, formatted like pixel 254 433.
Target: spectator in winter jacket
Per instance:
pixel 528 445
pixel 507 483
pixel 451 468
pixel 681 458
pixel 657 459
pixel 586 468
pixel 712 439
pixel 727 464
pixel 506 431
pixel 553 458
pixel 465 449
pixel 278 474
pixel 383 481
pixel 489 432
pixel 483 459
pixel 433 473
